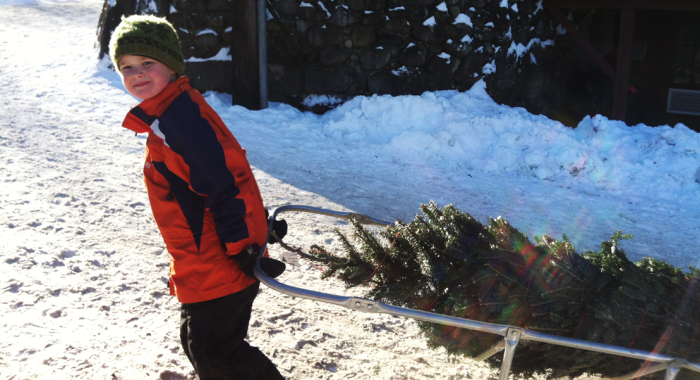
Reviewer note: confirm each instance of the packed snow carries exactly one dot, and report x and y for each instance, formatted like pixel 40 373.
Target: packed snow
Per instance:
pixel 84 267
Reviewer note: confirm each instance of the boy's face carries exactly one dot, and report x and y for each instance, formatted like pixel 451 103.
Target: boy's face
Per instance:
pixel 144 77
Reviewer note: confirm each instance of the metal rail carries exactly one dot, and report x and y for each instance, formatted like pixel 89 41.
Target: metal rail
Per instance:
pixel 512 334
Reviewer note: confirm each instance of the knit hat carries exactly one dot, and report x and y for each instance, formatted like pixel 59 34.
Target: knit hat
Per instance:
pixel 148 36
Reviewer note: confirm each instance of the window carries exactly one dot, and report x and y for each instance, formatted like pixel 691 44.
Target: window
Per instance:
pixel 686 60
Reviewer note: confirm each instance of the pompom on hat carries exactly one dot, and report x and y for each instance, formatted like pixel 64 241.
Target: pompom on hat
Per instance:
pixel 148 36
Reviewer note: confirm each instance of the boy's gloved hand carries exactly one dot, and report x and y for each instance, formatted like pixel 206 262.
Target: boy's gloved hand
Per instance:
pixel 246 261
pixel 279 227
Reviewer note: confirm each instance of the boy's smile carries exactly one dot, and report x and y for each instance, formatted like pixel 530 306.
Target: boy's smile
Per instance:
pixel 144 77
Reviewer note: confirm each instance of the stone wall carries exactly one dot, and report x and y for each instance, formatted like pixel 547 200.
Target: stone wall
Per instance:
pixel 352 47
pixel 344 48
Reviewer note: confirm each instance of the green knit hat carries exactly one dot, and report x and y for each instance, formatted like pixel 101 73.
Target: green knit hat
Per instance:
pixel 149 36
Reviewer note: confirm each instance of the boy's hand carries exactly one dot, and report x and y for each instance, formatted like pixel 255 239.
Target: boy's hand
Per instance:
pixel 246 260
pixel 279 229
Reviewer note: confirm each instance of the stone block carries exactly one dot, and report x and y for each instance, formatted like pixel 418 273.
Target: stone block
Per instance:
pixel 526 7
pixel 273 27
pixel 374 58
pixel 521 34
pixel 197 21
pixel 322 37
pixel 456 31
pixel 356 5
pixel 443 18
pixel 412 81
pixel 362 36
pixel 418 13
pixel 473 63
pixel 311 14
pixel 321 80
pixel 466 78
pixel 183 5
pixel 333 56
pixel 219 5
pixel 356 89
pixel 441 66
pixel 200 6
pixel 301 26
pixel 285 83
pixel 506 79
pixel 454 11
pixel 308 53
pixel 537 83
pixel 359 82
pixel 428 34
pixel 389 38
pixel 539 29
pixel 397 26
pixel 478 4
pixel 413 55
pixel 289 23
pixel 227 38
pixel 216 20
pixel 457 48
pixel 279 54
pixel 275 72
pixel 376 5
pixel 208 40
pixel 393 51
pixel 396 12
pixel 488 33
pixel 399 3
pixel 479 19
pixel 188 49
pixel 210 75
pixel 178 21
pixel 285 7
pixel 368 19
pixel 434 49
pixel 342 17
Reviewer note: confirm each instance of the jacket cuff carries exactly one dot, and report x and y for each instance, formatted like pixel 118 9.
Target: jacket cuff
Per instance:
pixel 239 246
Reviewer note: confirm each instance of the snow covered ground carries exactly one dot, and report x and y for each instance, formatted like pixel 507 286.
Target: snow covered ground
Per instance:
pixel 83 267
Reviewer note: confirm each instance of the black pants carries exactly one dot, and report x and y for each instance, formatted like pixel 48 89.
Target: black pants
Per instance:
pixel 212 334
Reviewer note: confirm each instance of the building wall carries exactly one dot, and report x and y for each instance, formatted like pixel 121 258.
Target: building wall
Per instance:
pixel 653 74
pixel 345 48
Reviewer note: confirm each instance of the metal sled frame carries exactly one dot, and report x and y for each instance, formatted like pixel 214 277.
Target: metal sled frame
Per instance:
pixel 512 334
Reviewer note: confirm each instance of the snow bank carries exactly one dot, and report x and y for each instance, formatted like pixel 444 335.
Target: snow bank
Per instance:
pixel 469 131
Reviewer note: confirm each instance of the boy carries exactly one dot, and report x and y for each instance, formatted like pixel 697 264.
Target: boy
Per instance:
pixel 204 198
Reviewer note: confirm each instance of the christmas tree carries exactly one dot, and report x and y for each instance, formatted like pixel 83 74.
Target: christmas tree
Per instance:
pixel 447 262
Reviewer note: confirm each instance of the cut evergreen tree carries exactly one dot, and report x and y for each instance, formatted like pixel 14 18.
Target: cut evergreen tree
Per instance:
pixel 449 263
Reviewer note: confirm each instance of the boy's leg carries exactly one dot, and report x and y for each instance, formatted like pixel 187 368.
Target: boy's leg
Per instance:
pixel 213 333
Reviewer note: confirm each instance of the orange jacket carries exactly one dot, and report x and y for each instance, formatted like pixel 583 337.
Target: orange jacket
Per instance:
pixel 202 192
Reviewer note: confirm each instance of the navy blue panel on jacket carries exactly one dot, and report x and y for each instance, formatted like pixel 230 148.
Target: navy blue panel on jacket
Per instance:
pixel 191 203
pixel 191 136
pixel 146 118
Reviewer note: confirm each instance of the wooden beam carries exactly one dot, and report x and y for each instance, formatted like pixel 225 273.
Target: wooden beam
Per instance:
pixel 624 62
pixel 244 54
pixel 583 42
pixel 671 5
